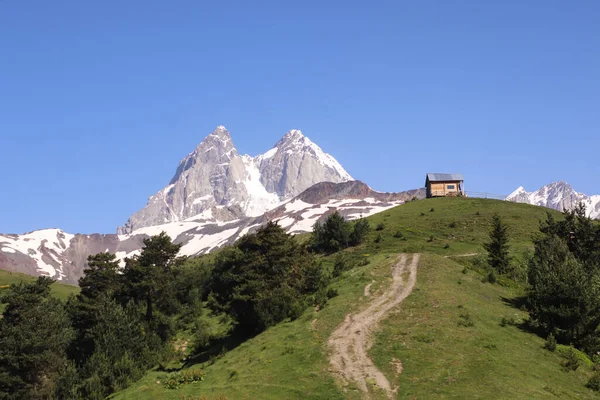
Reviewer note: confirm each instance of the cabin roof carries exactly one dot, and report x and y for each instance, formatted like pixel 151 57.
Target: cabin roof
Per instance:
pixel 437 177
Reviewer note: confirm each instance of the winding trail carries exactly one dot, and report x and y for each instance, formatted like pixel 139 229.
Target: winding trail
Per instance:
pixel 352 339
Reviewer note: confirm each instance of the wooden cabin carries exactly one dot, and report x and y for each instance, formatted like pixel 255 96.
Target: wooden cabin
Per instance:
pixel 442 185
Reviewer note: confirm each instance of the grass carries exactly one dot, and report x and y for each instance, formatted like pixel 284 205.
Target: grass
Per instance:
pixel 461 223
pixel 287 361
pixel 480 361
pixel 446 336
pixel 60 290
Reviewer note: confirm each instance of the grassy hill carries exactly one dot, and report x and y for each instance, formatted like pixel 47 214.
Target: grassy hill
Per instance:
pixel 447 338
pixel 60 290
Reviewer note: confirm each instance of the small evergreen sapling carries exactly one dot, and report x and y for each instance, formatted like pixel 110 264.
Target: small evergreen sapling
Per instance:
pixel 497 247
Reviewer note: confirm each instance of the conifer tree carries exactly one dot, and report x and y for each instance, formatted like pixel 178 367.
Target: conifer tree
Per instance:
pixel 498 248
pixel 264 278
pixel 34 335
pixel 149 275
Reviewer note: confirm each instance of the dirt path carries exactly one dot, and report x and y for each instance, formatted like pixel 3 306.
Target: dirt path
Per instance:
pixel 351 340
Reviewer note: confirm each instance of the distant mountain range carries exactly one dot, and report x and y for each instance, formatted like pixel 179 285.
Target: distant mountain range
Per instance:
pixel 218 195
pixel 558 196
pixel 215 197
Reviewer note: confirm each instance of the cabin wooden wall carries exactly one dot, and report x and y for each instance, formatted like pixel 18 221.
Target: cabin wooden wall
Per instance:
pixel 440 188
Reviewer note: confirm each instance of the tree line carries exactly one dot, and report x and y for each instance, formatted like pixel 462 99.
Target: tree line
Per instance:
pixel 124 320
pixel 563 277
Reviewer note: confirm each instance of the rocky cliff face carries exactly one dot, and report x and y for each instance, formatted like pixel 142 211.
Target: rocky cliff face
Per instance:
pixel 559 196
pixel 214 174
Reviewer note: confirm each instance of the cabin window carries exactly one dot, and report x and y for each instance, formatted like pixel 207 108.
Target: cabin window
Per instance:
pixel 451 187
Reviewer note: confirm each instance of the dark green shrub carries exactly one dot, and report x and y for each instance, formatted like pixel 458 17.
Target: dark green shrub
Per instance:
pixel 340 265
pixel 320 298
pixel 297 310
pixel 446 246
pixel 452 224
pixel 594 382
pixel 174 381
pixel 431 209
pixel 508 321
pixel 360 231
pixel 422 214
pixel 550 343
pixel 378 239
pixel 331 293
pixel 380 226
pixel 431 239
pixel 398 235
pixel 466 320
pixel 272 271
pixel 490 278
pixel 571 362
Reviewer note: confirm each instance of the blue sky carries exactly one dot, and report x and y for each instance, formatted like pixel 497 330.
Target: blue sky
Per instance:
pixel 100 100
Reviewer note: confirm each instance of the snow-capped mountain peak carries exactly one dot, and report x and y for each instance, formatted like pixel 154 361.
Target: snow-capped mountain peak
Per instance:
pixel 518 191
pixel 291 138
pixel 559 196
pixel 214 174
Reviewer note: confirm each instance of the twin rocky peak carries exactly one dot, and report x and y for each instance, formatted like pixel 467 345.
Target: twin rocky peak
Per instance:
pixel 216 181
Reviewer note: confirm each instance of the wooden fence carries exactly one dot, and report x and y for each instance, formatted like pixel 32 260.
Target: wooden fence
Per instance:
pixel 486 195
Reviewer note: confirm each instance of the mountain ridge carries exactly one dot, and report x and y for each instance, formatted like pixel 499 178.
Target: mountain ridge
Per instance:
pixel 215 174
pixel 558 195
pixel 61 255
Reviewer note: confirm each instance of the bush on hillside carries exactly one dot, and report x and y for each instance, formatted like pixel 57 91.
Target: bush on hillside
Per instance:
pixel 359 232
pixel 466 320
pixel 341 264
pixel 594 382
pixel 265 278
pixel 571 362
pixel 550 344
pixel 336 234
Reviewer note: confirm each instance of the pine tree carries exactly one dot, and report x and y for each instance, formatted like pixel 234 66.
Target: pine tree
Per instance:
pixel 34 335
pixel 149 276
pixel 333 235
pixel 564 295
pixel 360 232
pixel 101 278
pixel 498 248
pixel 265 278
pixel 123 349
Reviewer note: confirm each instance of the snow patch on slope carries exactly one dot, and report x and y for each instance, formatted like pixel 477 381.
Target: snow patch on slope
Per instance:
pixel 259 199
pixel 559 196
pixel 45 247
pixel 206 243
